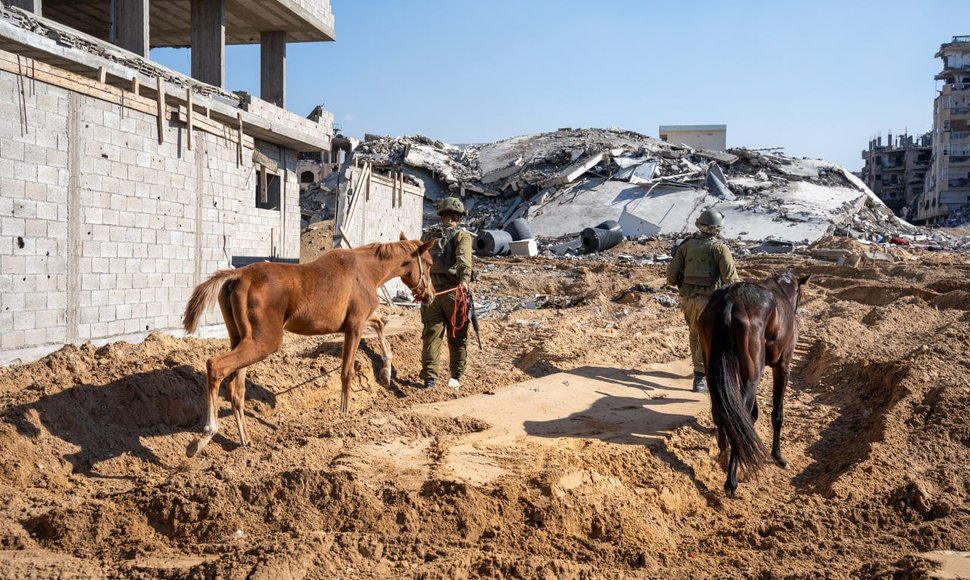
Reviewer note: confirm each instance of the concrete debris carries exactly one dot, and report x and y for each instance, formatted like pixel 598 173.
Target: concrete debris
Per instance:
pixel 717 183
pixel 773 247
pixel 563 180
pixel 527 248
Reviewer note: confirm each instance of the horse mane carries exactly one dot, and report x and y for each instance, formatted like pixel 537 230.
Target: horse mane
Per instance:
pixel 387 250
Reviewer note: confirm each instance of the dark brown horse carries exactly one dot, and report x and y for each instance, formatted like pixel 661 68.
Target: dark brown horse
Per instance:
pixel 744 328
pixel 337 292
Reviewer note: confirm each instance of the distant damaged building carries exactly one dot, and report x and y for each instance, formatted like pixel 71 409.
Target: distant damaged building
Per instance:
pixel 712 137
pixel 896 171
pixel 948 180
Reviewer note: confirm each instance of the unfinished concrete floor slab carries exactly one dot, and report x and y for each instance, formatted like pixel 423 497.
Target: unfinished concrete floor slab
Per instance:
pixel 624 407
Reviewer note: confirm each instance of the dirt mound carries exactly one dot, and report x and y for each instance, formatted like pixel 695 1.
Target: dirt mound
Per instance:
pixel 315 240
pixel 95 480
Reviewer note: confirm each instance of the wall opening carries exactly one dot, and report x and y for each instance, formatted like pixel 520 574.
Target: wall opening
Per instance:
pixel 268 190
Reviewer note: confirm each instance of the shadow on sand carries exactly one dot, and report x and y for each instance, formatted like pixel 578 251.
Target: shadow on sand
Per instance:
pixel 108 421
pixel 628 420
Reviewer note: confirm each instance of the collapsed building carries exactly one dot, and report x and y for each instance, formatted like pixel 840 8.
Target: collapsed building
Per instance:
pixel 123 184
pixel 896 171
pixel 571 179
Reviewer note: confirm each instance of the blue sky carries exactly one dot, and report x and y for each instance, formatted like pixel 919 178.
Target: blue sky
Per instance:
pixel 818 78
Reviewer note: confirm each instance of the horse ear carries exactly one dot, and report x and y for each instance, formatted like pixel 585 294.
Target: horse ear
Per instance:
pixel 425 246
pixel 802 280
pixel 403 237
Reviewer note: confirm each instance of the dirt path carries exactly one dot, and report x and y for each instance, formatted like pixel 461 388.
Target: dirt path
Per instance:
pixel 637 407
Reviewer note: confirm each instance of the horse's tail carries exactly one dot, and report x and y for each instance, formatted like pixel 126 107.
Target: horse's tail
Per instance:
pixel 203 296
pixel 727 406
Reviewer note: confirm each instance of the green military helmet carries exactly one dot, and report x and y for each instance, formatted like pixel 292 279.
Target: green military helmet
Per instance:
pixel 710 217
pixel 451 204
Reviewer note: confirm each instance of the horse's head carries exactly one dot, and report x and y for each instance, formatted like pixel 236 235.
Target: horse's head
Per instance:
pixel 792 287
pixel 417 270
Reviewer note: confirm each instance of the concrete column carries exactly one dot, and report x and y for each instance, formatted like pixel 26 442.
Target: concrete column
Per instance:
pixel 131 26
pixel 209 41
pixel 272 56
pixel 74 105
pixel 29 5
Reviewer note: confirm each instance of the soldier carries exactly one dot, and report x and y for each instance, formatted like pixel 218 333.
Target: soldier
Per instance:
pixel 701 265
pixel 447 316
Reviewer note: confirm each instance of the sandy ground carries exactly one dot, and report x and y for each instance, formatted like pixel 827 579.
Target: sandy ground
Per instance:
pixel 595 479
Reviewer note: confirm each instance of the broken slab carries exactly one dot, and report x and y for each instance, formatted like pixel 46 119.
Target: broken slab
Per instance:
pixel 574 208
pixel 717 183
pixel 643 173
pixel 719 156
pixel 563 248
pixel 574 171
pixel 773 247
pixel 503 172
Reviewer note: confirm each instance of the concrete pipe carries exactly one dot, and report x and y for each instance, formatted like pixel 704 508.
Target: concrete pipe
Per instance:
pixel 597 240
pixel 519 229
pixel 493 243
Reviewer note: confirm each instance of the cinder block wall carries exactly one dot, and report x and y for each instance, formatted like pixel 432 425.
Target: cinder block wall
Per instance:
pixel 386 207
pixel 104 232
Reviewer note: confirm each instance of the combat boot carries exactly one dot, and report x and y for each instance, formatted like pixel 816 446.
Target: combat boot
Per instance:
pixel 700 383
pixel 429 383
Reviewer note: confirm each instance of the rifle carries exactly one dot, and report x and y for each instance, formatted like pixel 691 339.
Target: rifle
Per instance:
pixel 473 316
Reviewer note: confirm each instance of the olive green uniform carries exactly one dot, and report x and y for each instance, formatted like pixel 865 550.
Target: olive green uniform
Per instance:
pixel 701 265
pixel 452 265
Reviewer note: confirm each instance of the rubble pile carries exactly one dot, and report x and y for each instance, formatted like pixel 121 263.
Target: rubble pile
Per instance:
pixel 566 181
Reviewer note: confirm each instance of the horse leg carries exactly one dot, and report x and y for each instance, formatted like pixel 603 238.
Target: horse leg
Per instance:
pixel 779 375
pixel 247 352
pixel 351 342
pixel 378 325
pixel 212 398
pixel 723 448
pixel 237 396
pixel 731 485
pixel 236 381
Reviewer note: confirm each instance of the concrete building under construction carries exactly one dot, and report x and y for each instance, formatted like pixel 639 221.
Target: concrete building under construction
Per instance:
pixel 123 184
pixel 948 180
pixel 896 171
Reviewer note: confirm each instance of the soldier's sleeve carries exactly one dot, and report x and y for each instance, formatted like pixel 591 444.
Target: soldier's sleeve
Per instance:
pixel 463 256
pixel 725 264
pixel 676 266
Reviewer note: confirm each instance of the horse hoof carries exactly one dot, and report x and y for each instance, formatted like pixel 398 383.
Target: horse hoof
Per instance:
pixel 782 462
pixel 386 378
pixel 193 448
pixel 731 493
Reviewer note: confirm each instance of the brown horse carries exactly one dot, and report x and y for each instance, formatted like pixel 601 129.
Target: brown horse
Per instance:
pixel 337 292
pixel 744 328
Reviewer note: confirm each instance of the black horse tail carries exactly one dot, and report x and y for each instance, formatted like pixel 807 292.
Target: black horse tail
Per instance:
pixel 727 406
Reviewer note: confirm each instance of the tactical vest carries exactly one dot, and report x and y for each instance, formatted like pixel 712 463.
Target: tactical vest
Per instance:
pixel 700 263
pixel 444 253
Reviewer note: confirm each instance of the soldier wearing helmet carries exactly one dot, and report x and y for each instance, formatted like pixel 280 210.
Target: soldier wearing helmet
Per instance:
pixel 701 265
pixel 447 317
